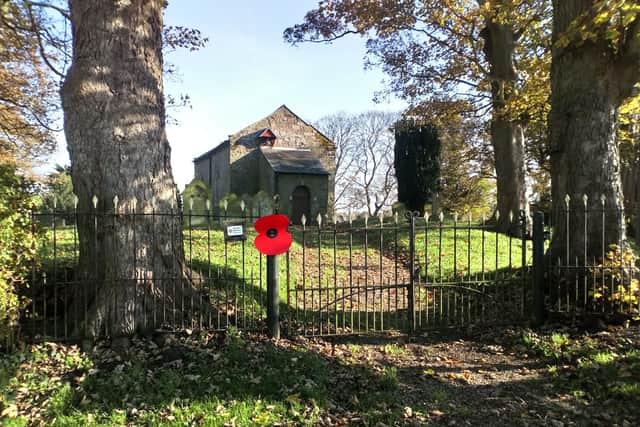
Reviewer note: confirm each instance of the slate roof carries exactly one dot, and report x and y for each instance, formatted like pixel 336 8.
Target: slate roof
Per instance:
pixel 249 137
pixel 212 151
pixel 292 160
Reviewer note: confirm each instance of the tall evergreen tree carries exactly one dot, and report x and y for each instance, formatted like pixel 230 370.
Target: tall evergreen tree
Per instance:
pixel 417 163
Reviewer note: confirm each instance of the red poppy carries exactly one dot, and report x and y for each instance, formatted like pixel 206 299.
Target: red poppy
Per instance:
pixel 273 237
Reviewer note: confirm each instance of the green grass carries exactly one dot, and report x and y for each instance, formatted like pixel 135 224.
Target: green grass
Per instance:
pixel 596 371
pixel 467 254
pixel 330 261
pixel 242 382
pixel 450 253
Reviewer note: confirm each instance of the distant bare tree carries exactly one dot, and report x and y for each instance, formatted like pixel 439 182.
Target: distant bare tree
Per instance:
pixel 341 129
pixel 364 159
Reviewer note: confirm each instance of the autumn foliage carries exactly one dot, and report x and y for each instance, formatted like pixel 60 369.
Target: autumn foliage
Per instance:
pixel 27 97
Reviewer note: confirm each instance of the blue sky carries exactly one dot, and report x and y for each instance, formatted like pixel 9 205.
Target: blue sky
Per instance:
pixel 247 71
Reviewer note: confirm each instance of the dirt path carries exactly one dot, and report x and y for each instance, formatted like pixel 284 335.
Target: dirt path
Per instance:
pixel 492 378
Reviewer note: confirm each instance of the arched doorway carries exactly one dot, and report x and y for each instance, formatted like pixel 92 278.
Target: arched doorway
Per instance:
pixel 300 204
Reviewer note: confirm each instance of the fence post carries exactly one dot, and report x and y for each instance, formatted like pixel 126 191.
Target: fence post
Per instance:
pixel 273 297
pixel 273 286
pixel 412 256
pixel 538 268
pixel 523 260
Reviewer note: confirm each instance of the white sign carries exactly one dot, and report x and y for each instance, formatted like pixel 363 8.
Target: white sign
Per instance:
pixel 234 230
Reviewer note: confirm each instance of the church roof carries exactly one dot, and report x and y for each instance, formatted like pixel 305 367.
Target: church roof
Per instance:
pixel 282 127
pixel 293 160
pixel 212 151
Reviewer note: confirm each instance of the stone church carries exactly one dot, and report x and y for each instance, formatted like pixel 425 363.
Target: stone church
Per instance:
pixel 279 154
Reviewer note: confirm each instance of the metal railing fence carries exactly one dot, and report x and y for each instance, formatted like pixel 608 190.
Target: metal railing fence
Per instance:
pixel 349 276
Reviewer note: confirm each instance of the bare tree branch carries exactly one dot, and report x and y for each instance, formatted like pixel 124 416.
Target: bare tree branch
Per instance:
pixel 61 11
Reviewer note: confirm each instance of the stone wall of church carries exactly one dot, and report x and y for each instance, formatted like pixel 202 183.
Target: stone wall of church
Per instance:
pixel 214 171
pixel 291 132
pixel 243 171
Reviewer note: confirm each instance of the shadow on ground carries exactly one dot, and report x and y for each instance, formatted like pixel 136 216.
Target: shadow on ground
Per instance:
pixel 492 378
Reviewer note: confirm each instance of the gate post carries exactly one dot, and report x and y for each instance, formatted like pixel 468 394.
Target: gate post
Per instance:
pixel 273 297
pixel 538 269
pixel 412 269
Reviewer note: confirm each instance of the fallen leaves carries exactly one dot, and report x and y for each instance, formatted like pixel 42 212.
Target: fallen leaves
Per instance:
pixel 407 412
pixel 429 372
pixel 10 411
pixel 444 382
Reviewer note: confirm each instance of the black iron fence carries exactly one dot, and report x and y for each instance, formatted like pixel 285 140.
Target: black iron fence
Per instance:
pixel 341 276
pixel 596 269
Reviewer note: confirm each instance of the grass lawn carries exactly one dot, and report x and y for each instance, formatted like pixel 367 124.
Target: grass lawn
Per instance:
pixel 235 380
pixel 325 265
pixel 444 254
pixel 513 377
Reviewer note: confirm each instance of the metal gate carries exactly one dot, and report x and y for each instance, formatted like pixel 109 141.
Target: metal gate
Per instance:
pixel 407 274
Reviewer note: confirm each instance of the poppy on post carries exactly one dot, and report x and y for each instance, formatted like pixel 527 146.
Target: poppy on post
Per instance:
pixel 273 237
pixel 272 240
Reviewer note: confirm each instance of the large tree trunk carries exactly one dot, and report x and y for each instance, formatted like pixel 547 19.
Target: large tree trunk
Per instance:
pixel 631 191
pixel 508 147
pixel 507 134
pixel 587 90
pixel 114 122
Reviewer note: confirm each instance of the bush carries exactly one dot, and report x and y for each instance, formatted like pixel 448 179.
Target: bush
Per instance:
pixel 17 245
pixel 620 287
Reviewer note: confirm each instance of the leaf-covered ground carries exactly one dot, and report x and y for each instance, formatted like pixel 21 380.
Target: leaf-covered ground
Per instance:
pixel 557 377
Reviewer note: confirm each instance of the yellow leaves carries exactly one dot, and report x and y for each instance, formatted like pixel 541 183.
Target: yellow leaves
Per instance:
pixel 619 274
pixel 630 107
pixel 463 376
pixel 601 18
pixel 294 399
pixel 27 90
pixel 262 419
pixel 627 19
pixel 429 372
pixel 628 257
pixel 605 20
pixel 624 298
